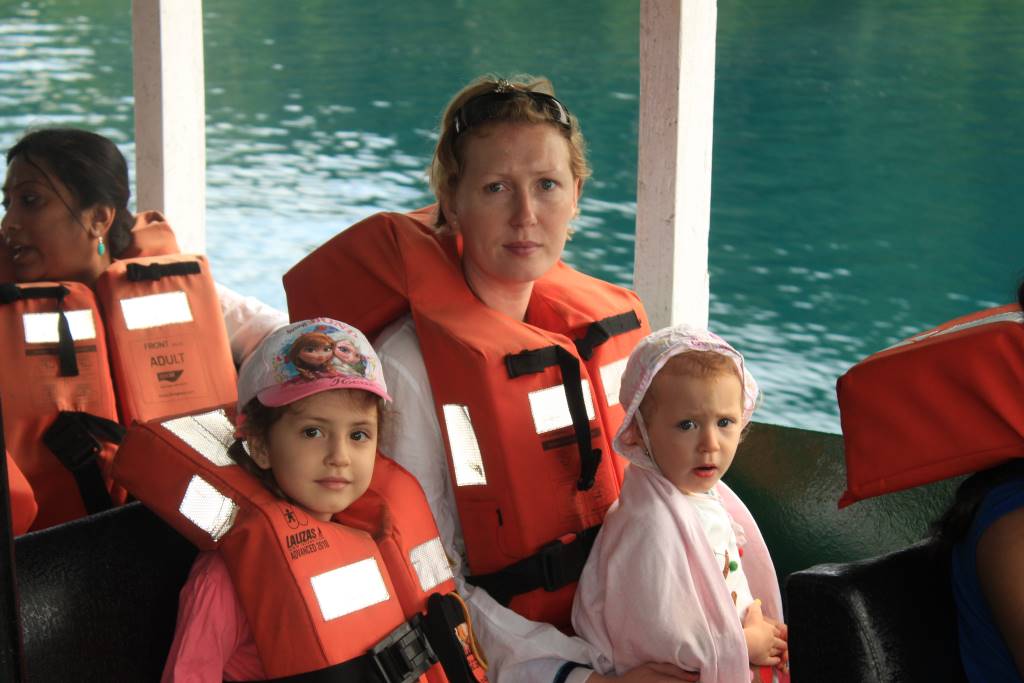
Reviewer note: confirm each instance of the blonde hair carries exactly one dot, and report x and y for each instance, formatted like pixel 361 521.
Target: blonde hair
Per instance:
pixel 447 164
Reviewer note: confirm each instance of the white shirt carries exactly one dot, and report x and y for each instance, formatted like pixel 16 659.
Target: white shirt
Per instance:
pixel 721 534
pixel 517 650
pixel 248 320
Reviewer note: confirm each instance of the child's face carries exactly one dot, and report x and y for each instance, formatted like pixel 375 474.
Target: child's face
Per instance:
pixel 315 354
pixel 322 450
pixel 694 426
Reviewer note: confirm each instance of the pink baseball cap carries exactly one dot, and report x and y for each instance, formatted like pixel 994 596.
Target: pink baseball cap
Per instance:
pixel 307 357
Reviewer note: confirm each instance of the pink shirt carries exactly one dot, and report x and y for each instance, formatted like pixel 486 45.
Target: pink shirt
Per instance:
pixel 212 641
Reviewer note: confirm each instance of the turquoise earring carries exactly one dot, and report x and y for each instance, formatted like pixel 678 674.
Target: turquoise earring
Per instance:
pixel 101 248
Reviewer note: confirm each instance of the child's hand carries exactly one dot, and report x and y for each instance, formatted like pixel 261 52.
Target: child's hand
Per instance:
pixel 765 641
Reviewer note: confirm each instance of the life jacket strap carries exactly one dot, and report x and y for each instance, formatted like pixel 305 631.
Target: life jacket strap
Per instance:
pixel 402 656
pixel 137 272
pixel 556 564
pixel 74 437
pixel 10 292
pixel 537 360
pixel 444 616
pixel 601 331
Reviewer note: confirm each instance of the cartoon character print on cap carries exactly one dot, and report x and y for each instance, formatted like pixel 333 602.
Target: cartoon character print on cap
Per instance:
pixel 321 351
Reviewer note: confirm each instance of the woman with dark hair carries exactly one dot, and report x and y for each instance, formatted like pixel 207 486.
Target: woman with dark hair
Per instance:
pixel 66 221
pixel 982 530
pixel 66 217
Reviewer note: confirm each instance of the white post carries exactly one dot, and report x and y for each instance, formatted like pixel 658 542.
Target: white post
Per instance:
pixel 170 115
pixel 677 92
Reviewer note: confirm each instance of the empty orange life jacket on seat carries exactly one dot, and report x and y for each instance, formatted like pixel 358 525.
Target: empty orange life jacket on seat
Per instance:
pixel 23 500
pixel 158 316
pixel 942 403
pixel 527 408
pixel 342 597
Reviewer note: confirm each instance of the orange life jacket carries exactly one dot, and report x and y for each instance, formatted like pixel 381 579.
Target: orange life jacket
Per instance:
pixel 527 408
pixel 23 500
pixel 337 591
pixel 58 395
pixel 940 404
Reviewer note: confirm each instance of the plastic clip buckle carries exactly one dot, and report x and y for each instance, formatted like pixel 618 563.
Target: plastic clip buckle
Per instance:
pixel 404 654
pixel 71 442
pixel 552 565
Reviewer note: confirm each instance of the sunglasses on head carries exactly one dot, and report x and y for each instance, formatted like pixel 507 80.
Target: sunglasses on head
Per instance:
pixel 486 107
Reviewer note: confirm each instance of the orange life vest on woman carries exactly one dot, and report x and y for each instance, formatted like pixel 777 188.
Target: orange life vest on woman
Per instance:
pixel 60 416
pixel 942 403
pixel 527 408
pixel 336 591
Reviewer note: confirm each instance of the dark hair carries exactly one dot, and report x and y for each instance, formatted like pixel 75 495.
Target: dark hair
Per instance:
pixel 90 166
pixel 258 420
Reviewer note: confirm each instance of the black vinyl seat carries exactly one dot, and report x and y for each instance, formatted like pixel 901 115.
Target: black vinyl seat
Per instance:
pixel 889 619
pixel 99 596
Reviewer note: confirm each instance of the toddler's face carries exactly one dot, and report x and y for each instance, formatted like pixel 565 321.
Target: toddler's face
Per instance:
pixel 322 450
pixel 694 425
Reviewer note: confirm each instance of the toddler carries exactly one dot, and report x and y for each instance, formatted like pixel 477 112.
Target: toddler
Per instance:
pixel 673 573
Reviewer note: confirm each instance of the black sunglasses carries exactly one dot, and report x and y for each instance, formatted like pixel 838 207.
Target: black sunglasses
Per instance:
pixel 486 107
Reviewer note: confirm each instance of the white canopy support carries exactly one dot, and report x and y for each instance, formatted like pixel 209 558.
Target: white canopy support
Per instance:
pixel 677 92
pixel 170 115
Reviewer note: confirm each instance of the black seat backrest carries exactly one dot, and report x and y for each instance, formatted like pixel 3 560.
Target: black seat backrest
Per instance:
pixel 99 596
pixel 887 619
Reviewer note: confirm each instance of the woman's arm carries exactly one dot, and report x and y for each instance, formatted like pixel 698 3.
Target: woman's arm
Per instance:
pixel 1000 565
pixel 248 321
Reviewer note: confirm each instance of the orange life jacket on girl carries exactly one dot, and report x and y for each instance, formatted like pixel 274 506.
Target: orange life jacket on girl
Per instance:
pixel 59 383
pixel 23 500
pixel 942 403
pixel 528 408
pixel 338 592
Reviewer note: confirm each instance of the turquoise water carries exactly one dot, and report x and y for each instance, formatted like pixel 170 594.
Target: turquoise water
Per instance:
pixel 866 159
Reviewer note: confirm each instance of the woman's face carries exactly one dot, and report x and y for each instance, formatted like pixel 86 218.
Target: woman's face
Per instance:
pixel 513 205
pixel 43 238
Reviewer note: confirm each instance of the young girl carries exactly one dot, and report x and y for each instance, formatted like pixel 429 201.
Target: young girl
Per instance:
pixel 673 573
pixel 312 439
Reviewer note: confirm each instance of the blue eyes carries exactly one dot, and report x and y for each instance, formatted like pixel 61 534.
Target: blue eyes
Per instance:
pixel 548 184
pixel 493 188
pixel 687 425
pixel 722 423
pixel 312 432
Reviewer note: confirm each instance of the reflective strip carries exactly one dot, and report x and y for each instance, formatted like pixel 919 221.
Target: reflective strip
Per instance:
pixel 1007 317
pixel 41 328
pixel 209 434
pixel 551 410
pixel 349 589
pixel 469 465
pixel 208 508
pixel 153 310
pixel 611 378
pixel 431 564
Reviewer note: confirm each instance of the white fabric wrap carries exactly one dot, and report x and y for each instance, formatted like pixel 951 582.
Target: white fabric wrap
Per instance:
pixel 652 589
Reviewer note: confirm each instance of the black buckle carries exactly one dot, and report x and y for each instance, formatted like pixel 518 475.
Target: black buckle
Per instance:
pixel 71 442
pixel 552 566
pixel 404 654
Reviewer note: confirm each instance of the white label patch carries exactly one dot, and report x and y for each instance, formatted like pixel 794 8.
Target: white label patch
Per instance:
pixel 349 589
pixel 154 310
